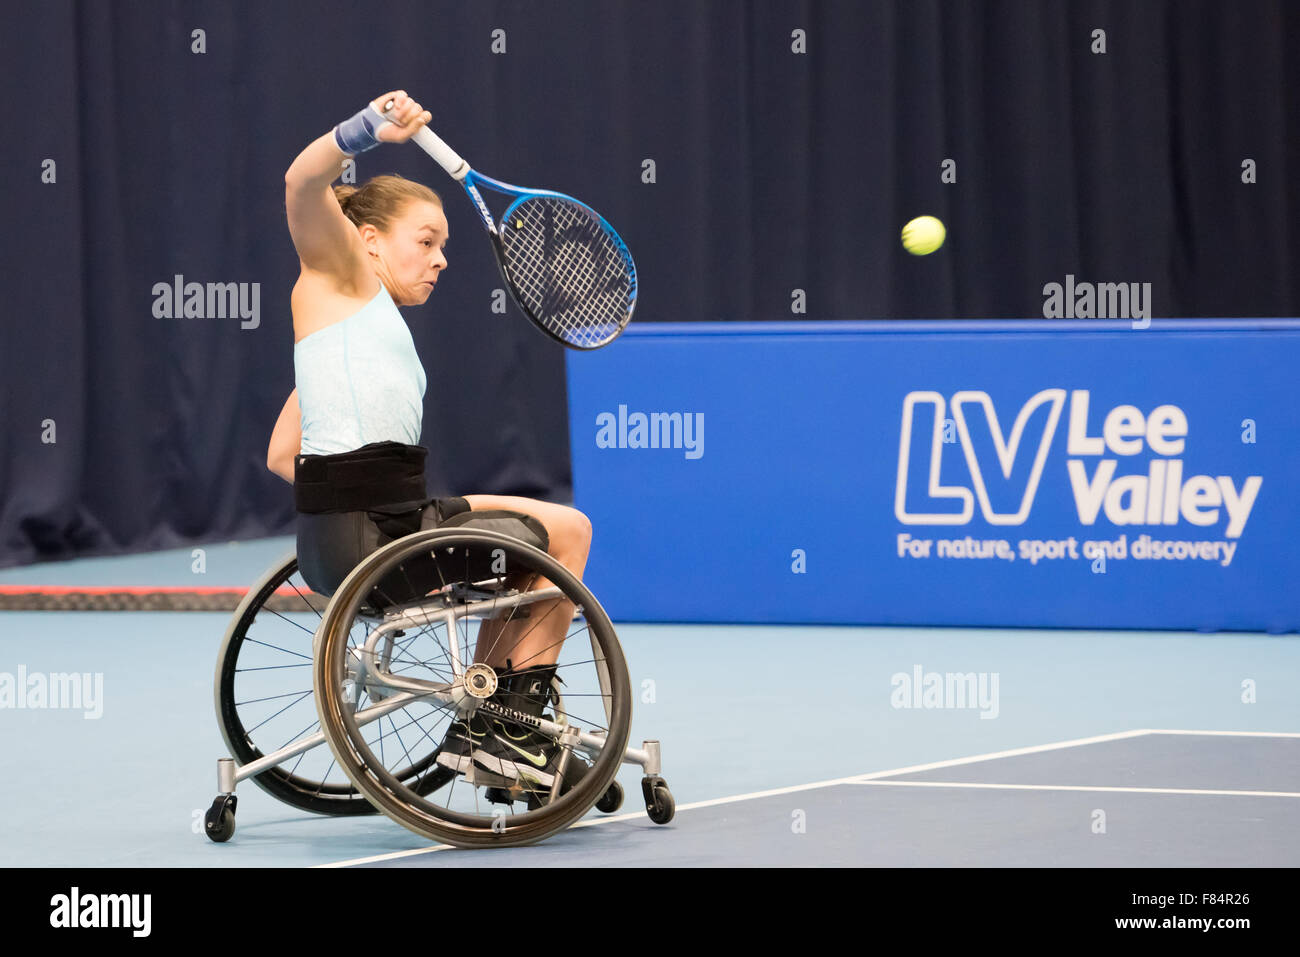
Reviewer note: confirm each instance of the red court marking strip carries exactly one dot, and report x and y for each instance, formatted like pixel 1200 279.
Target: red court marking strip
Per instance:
pixel 129 590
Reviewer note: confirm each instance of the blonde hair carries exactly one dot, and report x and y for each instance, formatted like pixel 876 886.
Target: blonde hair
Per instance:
pixel 381 199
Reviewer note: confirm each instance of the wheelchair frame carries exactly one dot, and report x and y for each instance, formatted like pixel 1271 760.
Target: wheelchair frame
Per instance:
pixel 368 669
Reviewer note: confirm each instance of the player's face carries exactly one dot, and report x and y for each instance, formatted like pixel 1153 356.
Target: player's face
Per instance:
pixel 413 252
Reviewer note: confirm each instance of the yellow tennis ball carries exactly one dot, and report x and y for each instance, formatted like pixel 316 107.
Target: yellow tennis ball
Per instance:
pixel 923 235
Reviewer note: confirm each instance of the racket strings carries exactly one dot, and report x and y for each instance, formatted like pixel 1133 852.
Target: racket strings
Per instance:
pixel 567 270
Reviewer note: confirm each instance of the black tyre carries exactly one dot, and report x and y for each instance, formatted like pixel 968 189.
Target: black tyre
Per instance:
pixel 219 826
pixel 662 809
pixel 612 799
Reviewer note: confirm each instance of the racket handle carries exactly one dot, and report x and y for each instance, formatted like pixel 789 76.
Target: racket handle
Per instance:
pixel 432 143
pixel 447 158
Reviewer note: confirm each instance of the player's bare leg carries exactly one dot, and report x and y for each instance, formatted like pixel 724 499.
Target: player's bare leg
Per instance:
pixel 536 640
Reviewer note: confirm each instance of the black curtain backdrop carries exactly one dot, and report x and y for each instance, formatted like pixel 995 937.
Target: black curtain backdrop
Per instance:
pixel 774 171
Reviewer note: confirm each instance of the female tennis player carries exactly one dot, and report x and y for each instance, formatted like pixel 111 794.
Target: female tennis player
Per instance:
pixel 358 404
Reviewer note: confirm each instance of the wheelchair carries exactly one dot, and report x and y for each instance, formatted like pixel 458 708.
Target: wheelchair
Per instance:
pixel 379 671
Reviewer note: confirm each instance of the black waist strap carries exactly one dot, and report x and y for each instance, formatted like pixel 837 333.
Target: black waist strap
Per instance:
pixel 386 476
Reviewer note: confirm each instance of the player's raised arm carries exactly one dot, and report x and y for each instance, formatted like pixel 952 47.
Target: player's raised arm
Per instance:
pixel 326 242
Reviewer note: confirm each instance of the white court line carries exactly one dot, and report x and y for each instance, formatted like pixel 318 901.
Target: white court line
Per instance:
pixel 754 795
pixel 1014 752
pixel 1075 787
pixel 1237 734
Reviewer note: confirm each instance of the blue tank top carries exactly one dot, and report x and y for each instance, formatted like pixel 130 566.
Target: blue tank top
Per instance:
pixel 360 381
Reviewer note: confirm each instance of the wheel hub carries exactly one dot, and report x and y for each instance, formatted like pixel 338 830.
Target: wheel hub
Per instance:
pixel 480 681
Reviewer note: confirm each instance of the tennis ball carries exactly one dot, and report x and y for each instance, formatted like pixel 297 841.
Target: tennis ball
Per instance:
pixel 923 235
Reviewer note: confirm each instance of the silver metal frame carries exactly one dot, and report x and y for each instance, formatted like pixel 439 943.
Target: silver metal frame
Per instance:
pixel 389 692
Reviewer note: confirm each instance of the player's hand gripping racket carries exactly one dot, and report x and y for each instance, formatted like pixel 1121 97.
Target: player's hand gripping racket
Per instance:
pixel 566 268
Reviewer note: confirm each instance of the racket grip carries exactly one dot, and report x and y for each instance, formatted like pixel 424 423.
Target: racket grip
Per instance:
pixel 446 157
pixel 432 143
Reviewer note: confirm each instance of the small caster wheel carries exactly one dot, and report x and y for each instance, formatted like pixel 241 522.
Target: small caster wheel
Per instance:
pixel 661 812
pixel 219 820
pixel 612 799
pixel 659 802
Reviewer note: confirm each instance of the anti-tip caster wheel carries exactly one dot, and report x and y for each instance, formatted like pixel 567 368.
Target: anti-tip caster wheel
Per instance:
pixel 612 799
pixel 219 820
pixel 659 802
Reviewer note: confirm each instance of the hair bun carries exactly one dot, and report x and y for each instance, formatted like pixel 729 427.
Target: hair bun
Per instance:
pixel 380 199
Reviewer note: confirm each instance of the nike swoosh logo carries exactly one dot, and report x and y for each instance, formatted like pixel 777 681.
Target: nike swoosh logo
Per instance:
pixel 539 759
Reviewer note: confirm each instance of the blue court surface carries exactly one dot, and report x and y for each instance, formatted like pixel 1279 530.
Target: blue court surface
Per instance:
pixel 784 746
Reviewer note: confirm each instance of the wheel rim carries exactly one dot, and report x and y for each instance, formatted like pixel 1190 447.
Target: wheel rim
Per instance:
pixel 461 813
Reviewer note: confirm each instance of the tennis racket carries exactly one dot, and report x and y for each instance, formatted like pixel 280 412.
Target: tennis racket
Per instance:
pixel 567 269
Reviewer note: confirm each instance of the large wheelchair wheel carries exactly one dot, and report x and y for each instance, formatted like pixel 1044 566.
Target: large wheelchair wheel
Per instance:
pixel 264 697
pixel 447 595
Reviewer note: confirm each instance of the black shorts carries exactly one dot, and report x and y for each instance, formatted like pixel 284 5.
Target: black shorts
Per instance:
pixel 331 544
